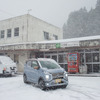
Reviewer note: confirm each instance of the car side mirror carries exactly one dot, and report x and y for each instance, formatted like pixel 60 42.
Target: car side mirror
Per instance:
pixel 36 67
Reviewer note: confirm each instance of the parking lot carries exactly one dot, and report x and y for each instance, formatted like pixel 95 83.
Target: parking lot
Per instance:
pixel 79 88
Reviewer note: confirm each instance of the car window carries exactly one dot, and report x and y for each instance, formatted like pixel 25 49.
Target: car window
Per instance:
pixel 29 63
pixel 49 64
pixel 34 64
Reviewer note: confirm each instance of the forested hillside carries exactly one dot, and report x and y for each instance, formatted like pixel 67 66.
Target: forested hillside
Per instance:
pixel 83 23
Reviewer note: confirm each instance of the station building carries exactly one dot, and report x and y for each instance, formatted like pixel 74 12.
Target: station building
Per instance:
pixel 26 37
pixel 21 30
pixel 87 47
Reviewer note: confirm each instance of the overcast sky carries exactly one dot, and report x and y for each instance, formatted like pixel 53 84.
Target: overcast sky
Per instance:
pixel 52 11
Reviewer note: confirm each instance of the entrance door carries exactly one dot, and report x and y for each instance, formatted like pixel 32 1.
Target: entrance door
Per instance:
pixel 96 67
pixel 16 60
pixel 54 57
pixel 92 61
pixel 96 64
pixel 89 68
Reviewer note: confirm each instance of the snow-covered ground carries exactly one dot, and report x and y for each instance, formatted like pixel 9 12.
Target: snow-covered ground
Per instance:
pixel 79 88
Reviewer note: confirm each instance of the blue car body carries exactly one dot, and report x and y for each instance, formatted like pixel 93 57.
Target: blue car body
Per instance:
pixel 45 73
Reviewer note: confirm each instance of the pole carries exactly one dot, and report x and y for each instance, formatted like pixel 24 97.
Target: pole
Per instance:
pixel 28 11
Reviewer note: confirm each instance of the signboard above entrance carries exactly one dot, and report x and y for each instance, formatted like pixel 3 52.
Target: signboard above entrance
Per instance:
pixel 68 44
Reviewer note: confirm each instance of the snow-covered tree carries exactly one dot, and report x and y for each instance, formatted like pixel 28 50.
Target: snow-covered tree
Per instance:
pixel 98 3
pixel 75 24
pixel 82 23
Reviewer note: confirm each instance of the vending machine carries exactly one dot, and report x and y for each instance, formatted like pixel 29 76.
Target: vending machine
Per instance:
pixel 73 62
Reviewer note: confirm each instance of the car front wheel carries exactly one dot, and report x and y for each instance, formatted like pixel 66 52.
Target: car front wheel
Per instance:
pixel 64 86
pixel 25 78
pixel 42 85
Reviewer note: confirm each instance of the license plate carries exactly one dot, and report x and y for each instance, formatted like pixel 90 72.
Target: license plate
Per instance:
pixel 58 81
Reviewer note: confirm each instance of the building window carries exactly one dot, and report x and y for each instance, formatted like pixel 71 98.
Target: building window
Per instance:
pixel 8 32
pixel 56 37
pixel 16 31
pixel 88 57
pixel 61 59
pixel 95 57
pixel 2 34
pixel 46 35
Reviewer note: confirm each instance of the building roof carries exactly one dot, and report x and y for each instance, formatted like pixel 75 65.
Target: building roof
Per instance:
pixel 58 41
pixel 71 39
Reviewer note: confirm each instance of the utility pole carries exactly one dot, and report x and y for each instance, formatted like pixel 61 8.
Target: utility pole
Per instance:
pixel 28 11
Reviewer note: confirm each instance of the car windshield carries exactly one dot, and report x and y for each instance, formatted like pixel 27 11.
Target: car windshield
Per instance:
pixel 49 64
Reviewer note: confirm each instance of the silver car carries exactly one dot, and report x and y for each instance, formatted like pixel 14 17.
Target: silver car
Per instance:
pixel 7 66
pixel 45 73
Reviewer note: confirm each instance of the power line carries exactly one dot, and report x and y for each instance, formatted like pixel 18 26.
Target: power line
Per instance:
pixel 6 12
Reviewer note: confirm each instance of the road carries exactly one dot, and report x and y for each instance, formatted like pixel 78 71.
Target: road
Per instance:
pixel 79 88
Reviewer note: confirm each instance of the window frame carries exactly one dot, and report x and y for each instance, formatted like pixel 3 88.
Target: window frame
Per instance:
pixel 46 35
pixel 2 34
pixel 9 31
pixel 16 31
pixel 55 36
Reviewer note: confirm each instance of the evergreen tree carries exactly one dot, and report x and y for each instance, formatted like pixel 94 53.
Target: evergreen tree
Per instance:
pixel 98 3
pixel 82 23
pixel 75 24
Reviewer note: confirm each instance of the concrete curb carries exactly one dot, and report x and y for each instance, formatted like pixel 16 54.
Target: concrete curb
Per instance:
pixel 85 75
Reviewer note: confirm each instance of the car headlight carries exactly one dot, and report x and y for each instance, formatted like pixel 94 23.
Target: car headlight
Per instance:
pixel 65 75
pixel 48 77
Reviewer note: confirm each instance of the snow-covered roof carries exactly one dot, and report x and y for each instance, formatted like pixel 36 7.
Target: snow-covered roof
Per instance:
pixel 71 39
pixel 57 41
pixel 17 43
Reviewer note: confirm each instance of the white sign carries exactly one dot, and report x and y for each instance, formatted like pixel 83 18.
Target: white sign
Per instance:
pixel 70 44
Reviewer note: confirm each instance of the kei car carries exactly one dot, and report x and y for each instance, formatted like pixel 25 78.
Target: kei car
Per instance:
pixel 45 73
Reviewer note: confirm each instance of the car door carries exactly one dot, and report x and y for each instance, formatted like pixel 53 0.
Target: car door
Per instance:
pixel 35 72
pixel 28 70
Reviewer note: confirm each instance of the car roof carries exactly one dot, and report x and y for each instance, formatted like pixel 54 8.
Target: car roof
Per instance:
pixel 3 57
pixel 38 59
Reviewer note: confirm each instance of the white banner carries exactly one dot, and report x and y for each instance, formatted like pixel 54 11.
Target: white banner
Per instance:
pixel 70 44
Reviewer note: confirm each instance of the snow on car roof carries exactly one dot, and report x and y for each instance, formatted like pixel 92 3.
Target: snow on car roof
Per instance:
pixel 47 59
pixel 43 59
pixel 6 60
pixel 38 58
pixel 1 56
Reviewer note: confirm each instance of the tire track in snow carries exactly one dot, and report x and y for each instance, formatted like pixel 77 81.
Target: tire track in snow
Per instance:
pixel 85 93
pixel 89 90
